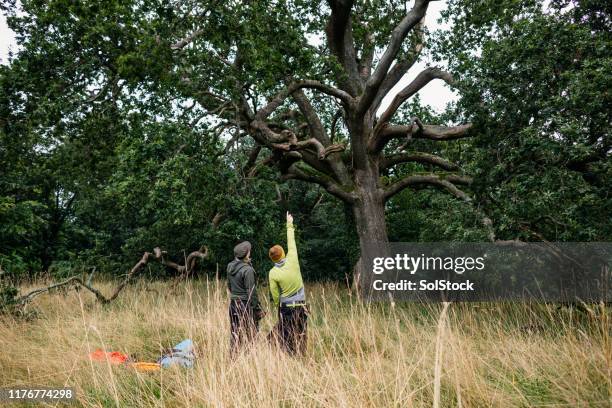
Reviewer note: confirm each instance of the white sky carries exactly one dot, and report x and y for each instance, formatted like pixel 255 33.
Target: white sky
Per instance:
pixel 436 94
pixel 7 40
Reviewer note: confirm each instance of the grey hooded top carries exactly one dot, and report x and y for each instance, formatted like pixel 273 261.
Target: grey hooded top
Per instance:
pixel 241 282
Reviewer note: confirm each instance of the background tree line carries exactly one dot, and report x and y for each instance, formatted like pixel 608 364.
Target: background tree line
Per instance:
pixel 108 150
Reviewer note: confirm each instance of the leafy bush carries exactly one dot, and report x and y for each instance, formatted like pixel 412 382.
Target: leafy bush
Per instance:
pixel 8 297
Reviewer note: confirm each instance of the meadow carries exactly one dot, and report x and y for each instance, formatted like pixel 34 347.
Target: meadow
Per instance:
pixel 359 354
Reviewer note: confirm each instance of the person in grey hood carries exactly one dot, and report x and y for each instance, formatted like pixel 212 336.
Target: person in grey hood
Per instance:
pixel 244 310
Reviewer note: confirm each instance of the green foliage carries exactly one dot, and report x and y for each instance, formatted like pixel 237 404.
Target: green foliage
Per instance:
pixel 534 82
pixel 108 149
pixel 8 295
pixel 118 164
pixel 428 214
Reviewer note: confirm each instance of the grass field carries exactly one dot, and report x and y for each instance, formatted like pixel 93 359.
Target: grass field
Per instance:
pixel 359 354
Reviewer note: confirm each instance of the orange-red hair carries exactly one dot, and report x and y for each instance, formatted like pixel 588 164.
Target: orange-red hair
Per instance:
pixel 276 253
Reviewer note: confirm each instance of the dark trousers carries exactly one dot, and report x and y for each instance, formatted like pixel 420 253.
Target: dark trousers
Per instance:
pixel 291 329
pixel 243 324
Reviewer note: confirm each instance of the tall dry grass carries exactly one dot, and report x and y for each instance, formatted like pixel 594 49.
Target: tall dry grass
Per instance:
pixel 359 354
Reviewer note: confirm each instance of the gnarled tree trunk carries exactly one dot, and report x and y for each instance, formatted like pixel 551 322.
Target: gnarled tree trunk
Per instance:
pixel 371 227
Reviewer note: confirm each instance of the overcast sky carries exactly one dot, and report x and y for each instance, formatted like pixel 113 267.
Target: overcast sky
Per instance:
pixel 7 40
pixel 437 94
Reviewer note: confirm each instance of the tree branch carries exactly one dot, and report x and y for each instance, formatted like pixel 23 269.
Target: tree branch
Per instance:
pixel 431 132
pixel 427 179
pixel 334 122
pixel 102 91
pixel 409 90
pixel 424 158
pixel 216 220
pixel 339 34
pixel 314 122
pixel 399 69
pixel 184 270
pixel 280 97
pixel 318 131
pixel 235 137
pixel 179 45
pixel 322 151
pixel 267 162
pixel 252 160
pixel 458 179
pixel 157 254
pixel 397 38
pixel 313 176
pixel 367 57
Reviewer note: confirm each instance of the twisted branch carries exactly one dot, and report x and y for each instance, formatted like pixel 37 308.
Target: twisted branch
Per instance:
pixel 157 254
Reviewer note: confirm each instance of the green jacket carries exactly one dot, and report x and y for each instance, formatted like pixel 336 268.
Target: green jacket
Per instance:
pixel 285 277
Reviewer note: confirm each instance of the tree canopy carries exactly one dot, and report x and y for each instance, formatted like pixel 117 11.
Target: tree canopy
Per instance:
pixel 128 125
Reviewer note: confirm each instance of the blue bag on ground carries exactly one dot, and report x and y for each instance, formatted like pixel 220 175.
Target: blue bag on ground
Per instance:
pixel 181 355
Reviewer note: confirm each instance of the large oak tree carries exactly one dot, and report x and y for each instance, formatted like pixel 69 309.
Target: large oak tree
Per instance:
pixel 278 88
pixel 299 83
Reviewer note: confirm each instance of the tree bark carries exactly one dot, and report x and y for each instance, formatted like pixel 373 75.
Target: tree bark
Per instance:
pixel 369 216
pixel 369 213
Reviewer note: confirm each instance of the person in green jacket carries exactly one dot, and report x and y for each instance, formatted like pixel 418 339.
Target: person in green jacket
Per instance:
pixel 288 295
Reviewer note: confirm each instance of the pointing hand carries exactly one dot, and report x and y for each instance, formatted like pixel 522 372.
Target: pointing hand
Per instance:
pixel 289 217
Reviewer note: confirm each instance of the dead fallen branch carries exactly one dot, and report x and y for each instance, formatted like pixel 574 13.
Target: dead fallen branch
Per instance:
pixel 190 261
pixel 157 255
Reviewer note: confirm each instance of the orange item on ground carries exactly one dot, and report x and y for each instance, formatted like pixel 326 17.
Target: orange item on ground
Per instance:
pixel 114 357
pixel 144 366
